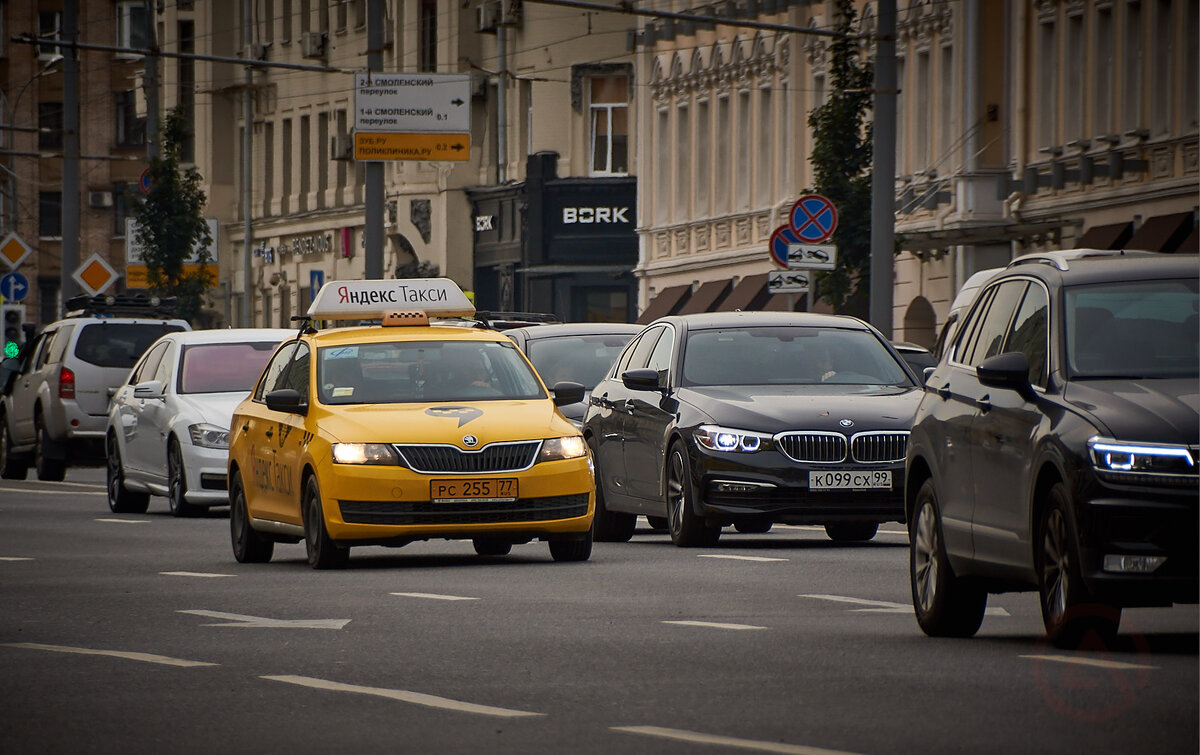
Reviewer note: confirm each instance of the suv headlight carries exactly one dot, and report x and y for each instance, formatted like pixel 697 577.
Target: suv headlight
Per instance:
pixel 557 449
pixel 364 453
pixel 1121 457
pixel 209 436
pixel 716 438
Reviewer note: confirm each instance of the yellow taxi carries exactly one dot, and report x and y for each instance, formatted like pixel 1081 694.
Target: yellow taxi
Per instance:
pixel 383 434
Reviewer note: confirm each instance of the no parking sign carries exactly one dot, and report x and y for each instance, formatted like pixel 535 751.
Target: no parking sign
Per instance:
pixel 813 219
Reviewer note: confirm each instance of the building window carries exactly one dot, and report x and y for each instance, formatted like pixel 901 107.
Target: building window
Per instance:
pixel 902 168
pixel 946 145
pixel 1073 107
pixel 724 124
pixel 703 158
pixel 187 88
pixel 131 128
pixel 1163 77
pixel 766 155
pixel 50 214
pixel 610 125
pixel 742 176
pixel 1047 86
pixel 683 163
pixel 49 25
pixel 131 24
pixel 50 125
pixel 662 167
pixel 921 157
pixel 1191 86
pixel 1102 81
pixel 427 36
pixel 120 207
pixel 1131 84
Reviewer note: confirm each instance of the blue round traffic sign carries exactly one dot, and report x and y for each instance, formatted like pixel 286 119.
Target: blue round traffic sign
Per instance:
pixel 146 181
pixel 14 286
pixel 780 239
pixel 813 219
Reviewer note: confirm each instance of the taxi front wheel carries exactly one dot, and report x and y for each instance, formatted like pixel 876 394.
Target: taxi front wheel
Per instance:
pixel 572 548
pixel 323 552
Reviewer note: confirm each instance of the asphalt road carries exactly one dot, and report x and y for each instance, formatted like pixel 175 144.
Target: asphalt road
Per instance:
pixel 140 633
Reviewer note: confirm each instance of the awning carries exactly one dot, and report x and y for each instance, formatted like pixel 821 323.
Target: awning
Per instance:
pixel 1190 245
pixel 748 295
pixel 1163 233
pixel 668 302
pixel 1113 236
pixel 706 297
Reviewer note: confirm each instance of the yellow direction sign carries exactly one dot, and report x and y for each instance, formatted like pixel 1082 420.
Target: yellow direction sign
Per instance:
pixel 383 146
pixel 14 250
pixel 95 275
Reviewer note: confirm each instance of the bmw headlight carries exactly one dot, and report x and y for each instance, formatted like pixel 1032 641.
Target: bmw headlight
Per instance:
pixel 716 438
pixel 364 453
pixel 209 436
pixel 557 449
pixel 1121 457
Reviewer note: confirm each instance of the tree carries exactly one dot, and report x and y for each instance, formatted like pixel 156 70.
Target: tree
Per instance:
pixel 842 159
pixel 170 228
pixel 417 269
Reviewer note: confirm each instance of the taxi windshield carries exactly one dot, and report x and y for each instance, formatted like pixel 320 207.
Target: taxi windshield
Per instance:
pixel 403 372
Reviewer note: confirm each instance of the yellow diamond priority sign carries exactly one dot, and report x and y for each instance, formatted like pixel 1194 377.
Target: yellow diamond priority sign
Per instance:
pixel 95 275
pixel 14 250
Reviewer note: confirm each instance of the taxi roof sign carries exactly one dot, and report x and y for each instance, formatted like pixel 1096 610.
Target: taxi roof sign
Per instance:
pixel 372 299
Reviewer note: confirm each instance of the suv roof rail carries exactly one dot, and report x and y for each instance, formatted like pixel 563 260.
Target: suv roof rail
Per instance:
pixel 502 320
pixel 1060 259
pixel 120 305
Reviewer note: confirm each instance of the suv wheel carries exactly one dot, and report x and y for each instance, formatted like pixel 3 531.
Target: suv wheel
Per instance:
pixel 177 483
pixel 120 500
pixel 48 468
pixel 11 466
pixel 946 606
pixel 1068 609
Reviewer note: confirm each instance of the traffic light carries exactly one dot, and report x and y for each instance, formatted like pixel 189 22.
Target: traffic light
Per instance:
pixel 14 330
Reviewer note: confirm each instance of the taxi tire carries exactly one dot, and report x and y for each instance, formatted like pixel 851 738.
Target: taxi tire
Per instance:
pixel 851 532
pixel 48 468
pixel 120 500
pixel 572 548
pixel 177 483
pixel 1069 612
pixel 486 546
pixel 687 530
pixel 753 526
pixel 12 467
pixel 249 547
pixel 323 552
pixel 945 605
pixel 609 526
pixel 657 523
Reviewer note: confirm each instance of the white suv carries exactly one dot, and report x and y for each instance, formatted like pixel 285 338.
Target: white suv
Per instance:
pixel 55 395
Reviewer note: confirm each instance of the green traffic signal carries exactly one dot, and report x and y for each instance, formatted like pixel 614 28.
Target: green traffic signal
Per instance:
pixel 11 349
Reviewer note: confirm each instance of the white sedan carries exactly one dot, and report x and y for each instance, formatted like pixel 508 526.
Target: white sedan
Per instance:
pixel 168 424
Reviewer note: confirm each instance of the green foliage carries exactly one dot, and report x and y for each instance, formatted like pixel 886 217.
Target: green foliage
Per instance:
pixel 170 224
pixel 842 159
pixel 417 269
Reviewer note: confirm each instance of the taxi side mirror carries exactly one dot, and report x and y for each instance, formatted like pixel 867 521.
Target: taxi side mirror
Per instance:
pixel 286 400
pixel 567 392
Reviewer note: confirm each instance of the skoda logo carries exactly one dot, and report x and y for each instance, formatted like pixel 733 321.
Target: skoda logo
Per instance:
pixel 846 423
pixel 470 441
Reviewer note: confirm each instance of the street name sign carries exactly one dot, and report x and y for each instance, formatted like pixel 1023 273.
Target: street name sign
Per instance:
pixel 418 146
pixel 416 102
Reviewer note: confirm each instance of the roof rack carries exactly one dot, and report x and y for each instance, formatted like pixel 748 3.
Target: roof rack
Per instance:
pixel 120 305
pixel 1061 258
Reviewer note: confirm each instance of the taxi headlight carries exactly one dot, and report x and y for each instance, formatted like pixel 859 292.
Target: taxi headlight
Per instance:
pixel 716 438
pixel 556 449
pixel 364 453
pixel 209 436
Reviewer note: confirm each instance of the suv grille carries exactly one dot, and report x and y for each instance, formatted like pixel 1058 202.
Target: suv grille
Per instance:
pixel 872 447
pixel 494 457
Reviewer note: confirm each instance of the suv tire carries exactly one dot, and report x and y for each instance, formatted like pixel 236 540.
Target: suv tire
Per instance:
pixel 946 606
pixel 12 467
pixel 48 468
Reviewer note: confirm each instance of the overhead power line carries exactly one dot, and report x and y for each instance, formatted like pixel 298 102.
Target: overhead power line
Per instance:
pixel 626 6
pixel 29 39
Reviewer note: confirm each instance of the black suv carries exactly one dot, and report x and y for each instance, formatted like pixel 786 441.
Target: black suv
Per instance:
pixel 1056 447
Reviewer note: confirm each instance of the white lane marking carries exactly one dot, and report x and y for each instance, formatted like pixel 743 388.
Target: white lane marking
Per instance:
pixel 886 606
pixel 43 485
pixel 432 596
pixel 193 574
pixel 1096 662
pixel 147 657
pixel 713 625
pixel 14 558
pixel 738 558
pixel 258 622
pixel 404 696
pixel 713 739
pixel 31 491
pixel 125 521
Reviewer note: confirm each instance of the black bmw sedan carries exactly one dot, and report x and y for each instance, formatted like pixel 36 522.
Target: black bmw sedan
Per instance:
pixel 749 419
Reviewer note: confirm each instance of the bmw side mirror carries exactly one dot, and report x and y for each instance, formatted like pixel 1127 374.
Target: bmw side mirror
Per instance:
pixel 644 379
pixel 286 400
pixel 567 392
pixel 1009 370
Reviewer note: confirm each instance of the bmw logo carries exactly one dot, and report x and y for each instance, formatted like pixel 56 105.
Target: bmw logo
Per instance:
pixel 470 441
pixel 846 423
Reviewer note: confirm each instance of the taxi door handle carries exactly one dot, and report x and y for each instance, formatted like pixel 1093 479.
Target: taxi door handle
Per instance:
pixel 944 391
pixel 984 403
pixel 246 427
pixel 270 433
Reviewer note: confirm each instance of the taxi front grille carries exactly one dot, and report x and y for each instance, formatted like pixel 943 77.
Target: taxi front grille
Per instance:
pixel 464 512
pixel 494 457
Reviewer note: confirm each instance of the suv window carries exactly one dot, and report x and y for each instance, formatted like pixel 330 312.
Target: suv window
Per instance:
pixel 989 336
pixel 1028 334
pixel 118 344
pixel 41 354
pixel 58 343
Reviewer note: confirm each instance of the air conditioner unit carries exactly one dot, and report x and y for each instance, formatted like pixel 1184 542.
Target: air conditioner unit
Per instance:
pixel 255 51
pixel 341 147
pixel 489 16
pixel 312 44
pixel 100 199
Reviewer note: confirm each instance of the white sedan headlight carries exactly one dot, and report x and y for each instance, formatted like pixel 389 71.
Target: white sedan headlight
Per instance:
pixel 209 436
pixel 364 453
pixel 716 438
pixel 556 449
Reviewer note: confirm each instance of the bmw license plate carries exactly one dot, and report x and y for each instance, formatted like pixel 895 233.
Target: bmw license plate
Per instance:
pixel 467 489
pixel 879 479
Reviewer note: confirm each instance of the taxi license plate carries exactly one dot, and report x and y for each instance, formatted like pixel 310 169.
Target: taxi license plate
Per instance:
pixel 880 479
pixel 504 489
